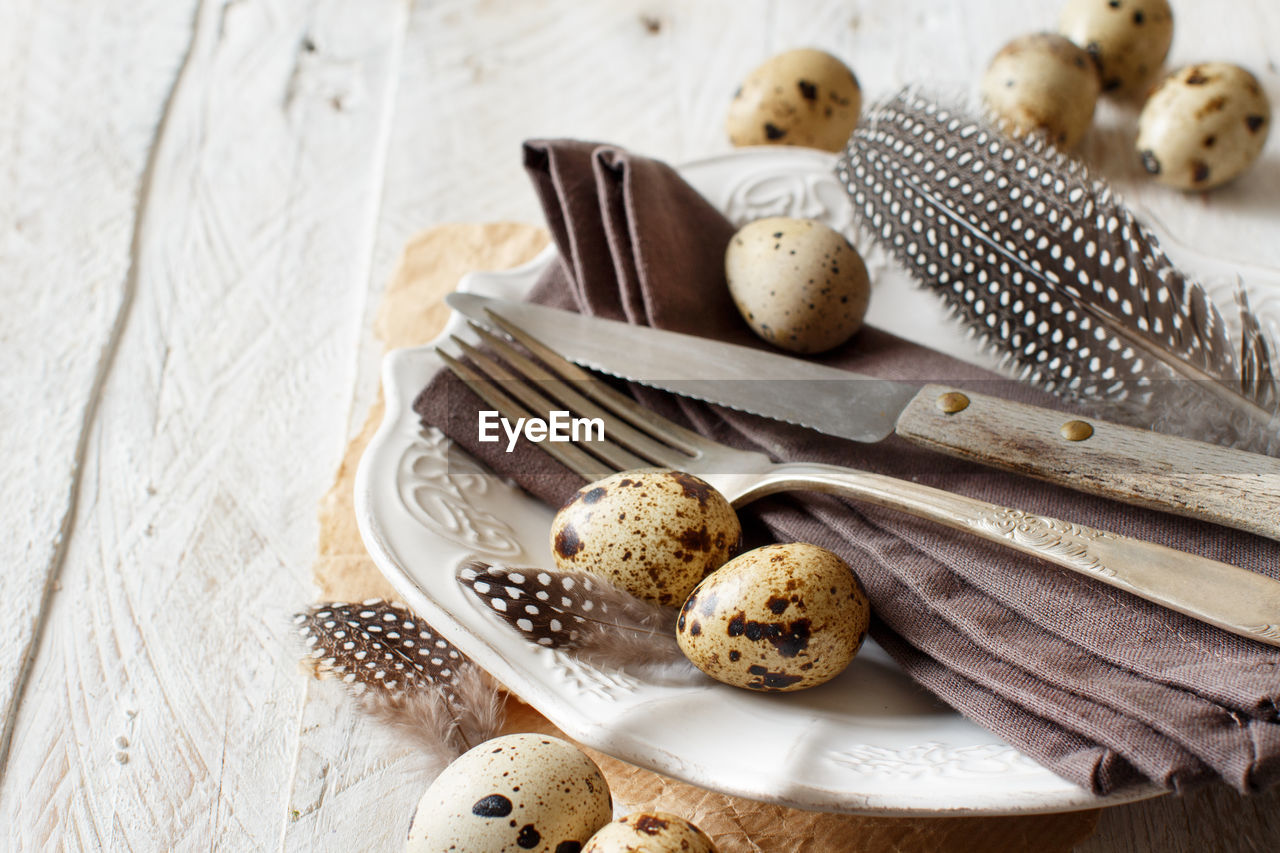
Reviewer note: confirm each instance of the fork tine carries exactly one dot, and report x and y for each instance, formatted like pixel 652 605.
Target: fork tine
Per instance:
pixel 654 424
pixel 614 426
pixel 609 451
pixel 572 457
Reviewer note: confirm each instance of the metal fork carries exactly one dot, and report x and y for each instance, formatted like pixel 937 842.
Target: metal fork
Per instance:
pixel 540 382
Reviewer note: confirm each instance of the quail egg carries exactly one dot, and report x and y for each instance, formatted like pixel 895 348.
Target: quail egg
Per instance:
pixel 652 532
pixel 800 285
pixel 1043 82
pixel 800 97
pixel 513 794
pixel 1128 38
pixel 782 617
pixel 650 832
pixel 1203 126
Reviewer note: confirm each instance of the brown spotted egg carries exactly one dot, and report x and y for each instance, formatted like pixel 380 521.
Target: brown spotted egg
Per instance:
pixel 1203 126
pixel 650 832
pixel 513 794
pixel 652 532
pixel 799 285
pixel 781 617
pixel 1043 82
pixel 1129 39
pixel 800 97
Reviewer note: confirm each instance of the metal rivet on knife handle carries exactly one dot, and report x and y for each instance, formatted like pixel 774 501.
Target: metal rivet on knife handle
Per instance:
pixel 1076 430
pixel 952 402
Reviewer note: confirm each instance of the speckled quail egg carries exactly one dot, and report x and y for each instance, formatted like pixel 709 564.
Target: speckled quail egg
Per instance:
pixel 1203 126
pixel 652 532
pixel 781 617
pixel 513 794
pixel 1043 82
pixel 800 97
pixel 650 832
pixel 1129 39
pixel 799 284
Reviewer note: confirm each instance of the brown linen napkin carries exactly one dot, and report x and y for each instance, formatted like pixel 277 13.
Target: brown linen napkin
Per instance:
pixel 1103 688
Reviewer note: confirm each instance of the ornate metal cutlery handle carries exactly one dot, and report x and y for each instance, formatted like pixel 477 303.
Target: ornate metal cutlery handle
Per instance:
pixel 1232 598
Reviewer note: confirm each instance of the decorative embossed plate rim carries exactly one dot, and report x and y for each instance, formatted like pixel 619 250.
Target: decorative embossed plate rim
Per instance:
pixel 868 742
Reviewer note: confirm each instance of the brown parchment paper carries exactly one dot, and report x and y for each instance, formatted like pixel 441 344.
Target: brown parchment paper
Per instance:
pixel 412 312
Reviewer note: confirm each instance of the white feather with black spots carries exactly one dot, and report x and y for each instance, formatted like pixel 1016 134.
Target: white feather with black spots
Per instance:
pixel 1040 261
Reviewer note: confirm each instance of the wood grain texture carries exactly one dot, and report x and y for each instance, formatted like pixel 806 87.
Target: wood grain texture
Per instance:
pixel 77 121
pixel 1137 466
pixel 306 141
pixel 168 716
pixel 1216 820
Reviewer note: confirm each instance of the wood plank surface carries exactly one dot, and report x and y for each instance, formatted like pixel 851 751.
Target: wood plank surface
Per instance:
pixel 78 117
pixel 166 702
pixel 273 157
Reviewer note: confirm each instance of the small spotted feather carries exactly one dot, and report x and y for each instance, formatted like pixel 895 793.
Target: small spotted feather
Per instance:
pixel 378 645
pixel 402 672
pixel 1039 260
pixel 576 612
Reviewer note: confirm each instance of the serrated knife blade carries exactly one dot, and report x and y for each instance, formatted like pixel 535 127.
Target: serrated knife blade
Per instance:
pixel 831 401
pixel 1192 478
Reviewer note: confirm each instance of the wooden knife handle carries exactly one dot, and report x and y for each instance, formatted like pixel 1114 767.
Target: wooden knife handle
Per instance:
pixel 1192 478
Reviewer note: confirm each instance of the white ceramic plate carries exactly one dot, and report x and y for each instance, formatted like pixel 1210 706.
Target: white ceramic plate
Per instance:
pixel 870 741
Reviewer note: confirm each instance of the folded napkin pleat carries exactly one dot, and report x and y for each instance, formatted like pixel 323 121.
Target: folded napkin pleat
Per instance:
pixel 1103 688
pixel 971 631
pixel 1069 754
pixel 821 521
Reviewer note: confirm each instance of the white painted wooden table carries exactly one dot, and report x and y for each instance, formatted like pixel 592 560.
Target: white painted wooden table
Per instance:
pixel 200 201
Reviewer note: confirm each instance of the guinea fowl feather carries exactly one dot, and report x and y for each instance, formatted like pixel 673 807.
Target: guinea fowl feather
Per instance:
pixel 577 612
pixel 404 674
pixel 1047 268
